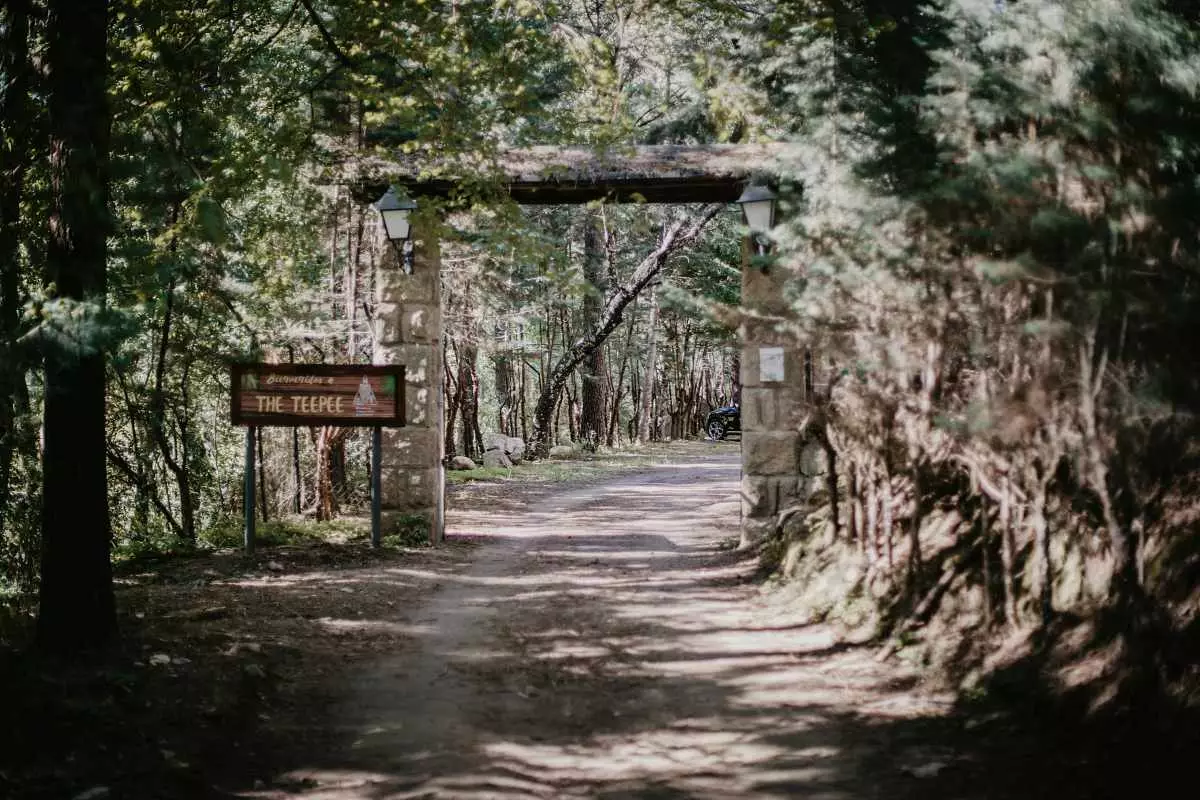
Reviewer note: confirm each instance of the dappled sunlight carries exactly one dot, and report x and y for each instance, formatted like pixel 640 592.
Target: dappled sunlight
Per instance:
pixel 385 626
pixel 603 646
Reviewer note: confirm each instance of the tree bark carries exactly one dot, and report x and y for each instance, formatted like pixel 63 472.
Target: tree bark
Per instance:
pixel 646 402
pixel 76 604
pixel 262 476
pixel 297 475
pixel 327 438
pixel 468 400
pixel 614 417
pixel 592 374
pixel 1008 555
pixel 14 110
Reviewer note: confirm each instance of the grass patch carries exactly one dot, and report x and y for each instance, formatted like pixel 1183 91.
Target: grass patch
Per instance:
pixel 278 533
pixel 584 465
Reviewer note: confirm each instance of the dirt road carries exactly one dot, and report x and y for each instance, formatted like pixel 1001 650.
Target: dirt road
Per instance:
pixel 605 642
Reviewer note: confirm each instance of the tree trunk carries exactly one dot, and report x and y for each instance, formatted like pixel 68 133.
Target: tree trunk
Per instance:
pixel 646 403
pixel 592 374
pixel 176 462
pixel 14 111
pixel 506 395
pixel 452 394
pixel 1043 588
pixel 614 418
pixel 914 529
pixel 262 476
pixel 985 547
pixel 297 475
pixel 1008 554
pixel 831 483
pixel 327 438
pixel 77 609
pixel 468 400
pixel 854 508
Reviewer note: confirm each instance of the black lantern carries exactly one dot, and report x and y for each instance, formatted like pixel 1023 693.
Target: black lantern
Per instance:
pixel 395 211
pixel 758 207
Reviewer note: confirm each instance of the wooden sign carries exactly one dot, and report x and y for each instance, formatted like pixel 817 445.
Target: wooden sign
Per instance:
pixel 317 394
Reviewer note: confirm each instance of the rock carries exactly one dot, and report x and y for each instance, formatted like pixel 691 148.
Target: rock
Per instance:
pixel 562 451
pixel 160 660
pixel 496 441
pixel 496 458
pixel 462 462
pixel 515 447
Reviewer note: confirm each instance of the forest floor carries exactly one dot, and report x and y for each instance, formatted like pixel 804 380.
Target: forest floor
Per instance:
pixel 591 639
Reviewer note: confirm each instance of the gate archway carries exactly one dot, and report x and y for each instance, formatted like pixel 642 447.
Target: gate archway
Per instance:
pixel 408 324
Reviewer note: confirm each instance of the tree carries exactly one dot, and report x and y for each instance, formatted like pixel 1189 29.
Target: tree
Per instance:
pixel 77 609
pixel 683 231
pixel 15 123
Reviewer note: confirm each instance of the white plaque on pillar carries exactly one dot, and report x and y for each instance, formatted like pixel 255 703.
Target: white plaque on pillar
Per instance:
pixel 770 364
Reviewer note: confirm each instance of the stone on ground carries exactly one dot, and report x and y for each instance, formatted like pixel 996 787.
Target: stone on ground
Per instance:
pixel 497 458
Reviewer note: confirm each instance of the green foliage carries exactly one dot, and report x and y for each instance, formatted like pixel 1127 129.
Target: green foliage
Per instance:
pixel 994 260
pixel 408 531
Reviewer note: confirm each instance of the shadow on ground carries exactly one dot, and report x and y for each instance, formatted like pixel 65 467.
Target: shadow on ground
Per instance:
pixel 601 643
pixel 608 647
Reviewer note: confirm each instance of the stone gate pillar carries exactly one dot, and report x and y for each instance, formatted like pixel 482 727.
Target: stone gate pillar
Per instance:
pixel 772 397
pixel 408 331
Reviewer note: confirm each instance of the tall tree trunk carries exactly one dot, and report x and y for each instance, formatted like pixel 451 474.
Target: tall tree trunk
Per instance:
pixel 1043 588
pixel 646 402
pixel 262 476
pixel 326 439
pixel 506 395
pixel 1008 554
pixel 77 608
pixel 614 418
pixel 297 475
pixel 854 507
pixel 176 462
pixel 831 483
pixel 452 392
pixel 593 372
pixel 14 122
pixel 468 391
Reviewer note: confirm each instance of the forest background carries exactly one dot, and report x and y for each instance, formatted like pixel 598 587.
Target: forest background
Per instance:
pixel 990 243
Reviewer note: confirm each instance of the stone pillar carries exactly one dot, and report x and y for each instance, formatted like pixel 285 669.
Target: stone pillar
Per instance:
pixel 772 398
pixel 408 331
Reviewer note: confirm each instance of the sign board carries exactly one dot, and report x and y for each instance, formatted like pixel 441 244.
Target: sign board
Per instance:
pixel 770 365
pixel 317 394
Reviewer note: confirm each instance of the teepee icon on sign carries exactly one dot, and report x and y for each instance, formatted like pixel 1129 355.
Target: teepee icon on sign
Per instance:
pixel 364 401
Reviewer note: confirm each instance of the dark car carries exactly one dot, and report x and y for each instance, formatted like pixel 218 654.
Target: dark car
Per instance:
pixel 723 421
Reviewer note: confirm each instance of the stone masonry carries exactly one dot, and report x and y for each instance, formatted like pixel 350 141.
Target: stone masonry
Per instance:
pixel 408 331
pixel 772 446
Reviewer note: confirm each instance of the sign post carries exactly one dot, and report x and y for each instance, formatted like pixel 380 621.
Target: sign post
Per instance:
pixel 295 395
pixel 376 484
pixel 248 492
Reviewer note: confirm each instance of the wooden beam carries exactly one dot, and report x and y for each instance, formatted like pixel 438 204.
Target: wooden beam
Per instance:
pixel 571 175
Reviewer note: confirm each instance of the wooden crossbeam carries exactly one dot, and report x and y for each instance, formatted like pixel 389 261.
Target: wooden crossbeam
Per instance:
pixel 549 175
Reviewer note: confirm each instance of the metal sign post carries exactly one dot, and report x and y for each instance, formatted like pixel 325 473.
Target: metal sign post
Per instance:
pixel 376 485
pixel 248 490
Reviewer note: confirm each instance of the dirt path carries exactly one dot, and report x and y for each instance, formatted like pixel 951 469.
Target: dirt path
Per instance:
pixel 602 644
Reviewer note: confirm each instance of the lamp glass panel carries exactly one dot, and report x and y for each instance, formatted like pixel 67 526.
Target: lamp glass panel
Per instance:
pixel 397 224
pixel 759 214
